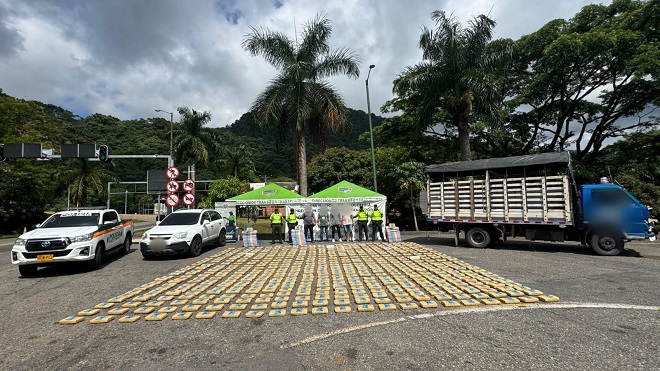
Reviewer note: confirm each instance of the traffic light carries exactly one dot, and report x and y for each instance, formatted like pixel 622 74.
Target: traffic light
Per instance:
pixel 104 153
pixel 2 154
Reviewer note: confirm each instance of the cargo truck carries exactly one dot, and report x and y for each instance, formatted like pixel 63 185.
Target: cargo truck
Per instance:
pixel 533 196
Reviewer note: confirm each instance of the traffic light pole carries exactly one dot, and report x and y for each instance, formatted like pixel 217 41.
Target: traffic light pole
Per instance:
pixel 170 162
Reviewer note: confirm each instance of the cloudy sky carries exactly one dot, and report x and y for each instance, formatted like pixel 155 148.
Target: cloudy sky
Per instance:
pixel 127 58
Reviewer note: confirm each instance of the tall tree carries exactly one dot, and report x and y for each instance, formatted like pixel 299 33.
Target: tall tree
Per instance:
pixel 193 140
pixel 587 80
pixel 459 75
pixel 298 99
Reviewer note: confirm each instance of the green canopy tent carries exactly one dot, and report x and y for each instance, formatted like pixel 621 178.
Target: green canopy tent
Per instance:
pixel 346 197
pixel 270 194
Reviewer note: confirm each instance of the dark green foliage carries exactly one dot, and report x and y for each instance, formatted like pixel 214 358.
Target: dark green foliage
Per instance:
pixel 22 199
pixel 633 162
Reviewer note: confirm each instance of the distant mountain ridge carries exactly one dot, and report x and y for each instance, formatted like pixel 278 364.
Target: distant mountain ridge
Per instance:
pixel 357 124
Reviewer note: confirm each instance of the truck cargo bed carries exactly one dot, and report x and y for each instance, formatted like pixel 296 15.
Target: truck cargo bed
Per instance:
pixel 536 200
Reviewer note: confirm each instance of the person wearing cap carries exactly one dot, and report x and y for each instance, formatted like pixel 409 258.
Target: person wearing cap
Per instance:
pixel 276 221
pixel 292 222
pixel 362 217
pixel 376 223
pixel 231 219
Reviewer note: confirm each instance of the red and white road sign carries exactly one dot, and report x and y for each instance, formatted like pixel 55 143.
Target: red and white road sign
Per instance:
pixel 188 199
pixel 188 185
pixel 172 200
pixel 172 172
pixel 172 186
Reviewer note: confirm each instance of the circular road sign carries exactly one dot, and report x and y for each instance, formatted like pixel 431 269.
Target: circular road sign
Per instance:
pixel 172 186
pixel 188 199
pixel 172 200
pixel 188 185
pixel 172 172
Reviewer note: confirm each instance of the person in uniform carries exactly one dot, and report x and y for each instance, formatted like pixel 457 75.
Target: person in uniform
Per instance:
pixel 276 221
pixel 292 222
pixel 362 217
pixel 376 223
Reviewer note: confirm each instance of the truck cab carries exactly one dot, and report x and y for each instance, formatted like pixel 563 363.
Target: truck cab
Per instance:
pixel 612 215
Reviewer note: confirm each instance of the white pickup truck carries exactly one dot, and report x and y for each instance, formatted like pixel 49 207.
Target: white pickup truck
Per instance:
pixel 72 236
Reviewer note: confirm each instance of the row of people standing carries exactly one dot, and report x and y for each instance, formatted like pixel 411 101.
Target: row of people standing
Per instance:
pixel 335 222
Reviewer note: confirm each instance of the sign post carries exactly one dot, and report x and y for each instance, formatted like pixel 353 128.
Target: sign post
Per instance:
pixel 172 187
pixel 189 197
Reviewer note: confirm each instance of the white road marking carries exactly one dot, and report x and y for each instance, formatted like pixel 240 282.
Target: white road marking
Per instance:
pixel 567 305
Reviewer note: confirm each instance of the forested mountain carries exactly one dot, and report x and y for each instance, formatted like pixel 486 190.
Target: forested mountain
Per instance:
pixel 358 123
pixel 151 136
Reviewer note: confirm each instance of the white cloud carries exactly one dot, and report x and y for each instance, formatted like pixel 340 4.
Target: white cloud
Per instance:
pixel 128 58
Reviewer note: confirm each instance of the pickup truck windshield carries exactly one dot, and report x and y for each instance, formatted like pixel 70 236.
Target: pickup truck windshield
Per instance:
pixel 180 219
pixel 71 220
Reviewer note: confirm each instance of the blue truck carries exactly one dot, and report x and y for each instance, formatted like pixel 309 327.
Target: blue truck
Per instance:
pixel 534 196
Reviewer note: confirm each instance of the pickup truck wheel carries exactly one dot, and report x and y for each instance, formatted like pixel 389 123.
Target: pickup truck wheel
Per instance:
pixel 27 270
pixel 196 247
pixel 97 262
pixel 477 237
pixel 607 244
pixel 126 247
pixel 222 238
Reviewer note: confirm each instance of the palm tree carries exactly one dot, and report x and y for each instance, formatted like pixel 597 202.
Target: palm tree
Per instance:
pixel 193 140
pixel 410 176
pixel 87 180
pixel 298 98
pixel 236 161
pixel 458 74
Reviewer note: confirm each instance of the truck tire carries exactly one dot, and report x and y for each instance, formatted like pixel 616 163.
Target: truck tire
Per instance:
pixel 195 247
pixel 477 237
pixel 126 247
pixel 607 244
pixel 97 262
pixel 28 270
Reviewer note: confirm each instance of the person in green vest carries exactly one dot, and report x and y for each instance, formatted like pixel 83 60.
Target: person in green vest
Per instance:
pixel 376 223
pixel 276 221
pixel 324 224
pixel 231 219
pixel 362 217
pixel 292 222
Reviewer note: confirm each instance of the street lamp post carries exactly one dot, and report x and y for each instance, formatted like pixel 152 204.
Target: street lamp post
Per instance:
pixel 371 130
pixel 171 133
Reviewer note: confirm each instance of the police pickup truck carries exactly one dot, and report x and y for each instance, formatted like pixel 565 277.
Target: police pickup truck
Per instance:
pixel 72 236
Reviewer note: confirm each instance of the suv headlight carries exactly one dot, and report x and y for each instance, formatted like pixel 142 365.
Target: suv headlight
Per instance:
pixel 20 242
pixel 181 235
pixel 145 236
pixel 82 238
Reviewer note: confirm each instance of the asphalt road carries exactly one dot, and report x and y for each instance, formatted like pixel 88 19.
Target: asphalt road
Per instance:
pixel 608 318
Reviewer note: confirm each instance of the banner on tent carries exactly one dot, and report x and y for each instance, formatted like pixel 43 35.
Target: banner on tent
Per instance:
pixel 284 201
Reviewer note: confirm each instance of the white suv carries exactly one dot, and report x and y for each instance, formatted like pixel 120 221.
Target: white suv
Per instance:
pixel 184 231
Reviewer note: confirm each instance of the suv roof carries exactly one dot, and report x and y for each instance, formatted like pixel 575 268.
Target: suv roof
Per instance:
pixel 191 210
